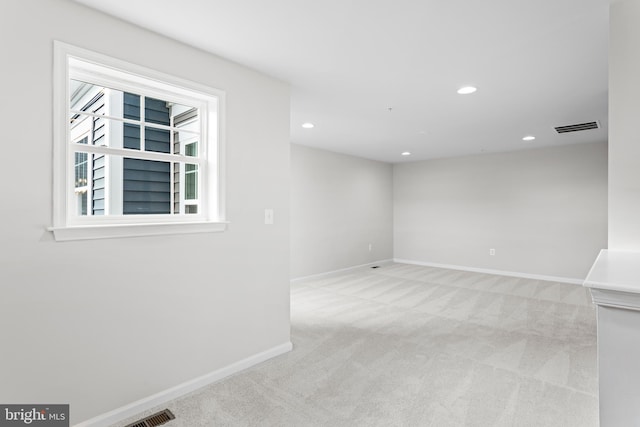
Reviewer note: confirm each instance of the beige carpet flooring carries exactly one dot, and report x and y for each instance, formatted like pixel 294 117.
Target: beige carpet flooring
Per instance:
pixel 406 345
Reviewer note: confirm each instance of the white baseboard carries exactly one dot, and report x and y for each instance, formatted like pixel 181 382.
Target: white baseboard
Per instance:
pixel 342 270
pixel 496 272
pixel 150 402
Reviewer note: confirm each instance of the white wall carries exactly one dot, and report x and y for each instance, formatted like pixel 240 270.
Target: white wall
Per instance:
pixel 624 114
pixel 618 328
pixel 339 205
pixel 99 324
pixel 544 211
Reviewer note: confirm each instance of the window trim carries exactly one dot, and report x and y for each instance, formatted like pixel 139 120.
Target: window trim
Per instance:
pixel 67 226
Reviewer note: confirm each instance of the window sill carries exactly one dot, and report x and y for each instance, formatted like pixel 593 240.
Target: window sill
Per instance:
pixel 112 231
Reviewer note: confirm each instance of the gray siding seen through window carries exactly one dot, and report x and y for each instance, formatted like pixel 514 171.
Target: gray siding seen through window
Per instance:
pixel 146 183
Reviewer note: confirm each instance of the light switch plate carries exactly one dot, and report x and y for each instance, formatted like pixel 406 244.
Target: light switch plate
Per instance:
pixel 268 216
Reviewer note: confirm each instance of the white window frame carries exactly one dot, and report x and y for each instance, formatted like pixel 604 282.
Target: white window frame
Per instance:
pixel 73 62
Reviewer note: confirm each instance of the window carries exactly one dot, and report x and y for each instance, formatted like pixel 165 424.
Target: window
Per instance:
pixel 136 152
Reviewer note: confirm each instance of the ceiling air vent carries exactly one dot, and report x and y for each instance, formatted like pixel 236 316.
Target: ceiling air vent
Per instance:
pixel 577 128
pixel 154 420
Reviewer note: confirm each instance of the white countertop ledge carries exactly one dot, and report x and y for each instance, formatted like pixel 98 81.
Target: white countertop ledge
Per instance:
pixel 615 270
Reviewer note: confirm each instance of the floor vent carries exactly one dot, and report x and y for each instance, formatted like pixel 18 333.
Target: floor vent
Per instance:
pixel 154 420
pixel 577 128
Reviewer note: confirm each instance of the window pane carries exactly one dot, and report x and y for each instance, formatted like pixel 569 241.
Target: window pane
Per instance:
pixel 185 188
pixel 101 131
pixel 191 150
pixel 91 130
pixel 191 182
pixel 186 138
pixel 146 187
pixel 157 111
pixel 80 128
pixel 182 116
pixel 123 185
pixel 131 136
pixel 98 182
pixel 89 184
pixel 183 143
pixel 81 202
pixel 131 106
pixel 85 96
pixel 176 188
pixel 157 140
pixel 96 99
pixel 81 168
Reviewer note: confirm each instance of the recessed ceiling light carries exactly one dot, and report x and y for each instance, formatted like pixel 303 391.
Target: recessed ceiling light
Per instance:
pixel 307 125
pixel 529 138
pixel 406 153
pixel 467 90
